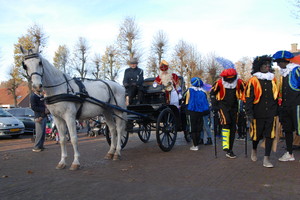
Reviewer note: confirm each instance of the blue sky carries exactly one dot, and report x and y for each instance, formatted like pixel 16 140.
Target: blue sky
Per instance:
pixel 229 28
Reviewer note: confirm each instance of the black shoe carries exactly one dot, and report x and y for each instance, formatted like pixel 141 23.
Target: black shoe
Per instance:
pixel 208 142
pixel 230 154
pixel 201 141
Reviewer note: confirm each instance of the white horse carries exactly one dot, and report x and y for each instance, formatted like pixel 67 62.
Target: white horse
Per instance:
pixel 60 89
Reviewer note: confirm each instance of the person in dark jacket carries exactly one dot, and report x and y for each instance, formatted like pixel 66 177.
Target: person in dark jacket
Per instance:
pixel 261 106
pixel 289 98
pixel 40 118
pixel 133 82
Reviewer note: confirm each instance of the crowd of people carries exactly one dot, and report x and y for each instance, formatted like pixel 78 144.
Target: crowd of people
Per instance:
pixel 262 102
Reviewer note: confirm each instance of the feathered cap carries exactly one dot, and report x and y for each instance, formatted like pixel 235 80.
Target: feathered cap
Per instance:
pixel 229 70
pixel 283 56
pixel 164 65
pixel 259 61
pixel 197 82
pixel 227 64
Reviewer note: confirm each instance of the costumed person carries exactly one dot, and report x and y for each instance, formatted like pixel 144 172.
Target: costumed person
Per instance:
pixel 196 107
pixel 133 82
pixel 261 106
pixel 289 98
pixel 224 96
pixel 171 82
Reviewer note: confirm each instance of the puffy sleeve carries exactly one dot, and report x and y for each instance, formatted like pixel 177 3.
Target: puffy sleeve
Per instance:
pixel 175 79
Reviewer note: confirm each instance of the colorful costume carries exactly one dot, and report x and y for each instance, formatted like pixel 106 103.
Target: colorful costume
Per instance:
pixel 224 97
pixel 171 82
pixel 289 98
pixel 261 106
pixel 197 107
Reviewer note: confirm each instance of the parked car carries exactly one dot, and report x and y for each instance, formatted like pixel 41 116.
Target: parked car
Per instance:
pixel 10 125
pixel 26 115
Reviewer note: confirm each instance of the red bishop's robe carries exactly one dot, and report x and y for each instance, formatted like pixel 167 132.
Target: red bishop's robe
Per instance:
pixel 175 81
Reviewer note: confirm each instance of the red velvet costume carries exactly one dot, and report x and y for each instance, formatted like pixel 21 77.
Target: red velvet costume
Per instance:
pixel 164 66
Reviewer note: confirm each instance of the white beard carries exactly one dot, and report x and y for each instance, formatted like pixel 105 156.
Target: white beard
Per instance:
pixel 165 77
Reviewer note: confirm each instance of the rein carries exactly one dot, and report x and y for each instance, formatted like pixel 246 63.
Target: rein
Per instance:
pixel 52 86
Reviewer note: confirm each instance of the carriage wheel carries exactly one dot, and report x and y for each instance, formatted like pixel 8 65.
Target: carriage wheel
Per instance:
pixel 187 136
pixel 124 138
pixel 166 131
pixel 144 132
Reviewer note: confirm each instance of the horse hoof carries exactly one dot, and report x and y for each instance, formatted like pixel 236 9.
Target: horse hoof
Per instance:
pixel 74 167
pixel 108 156
pixel 60 166
pixel 117 157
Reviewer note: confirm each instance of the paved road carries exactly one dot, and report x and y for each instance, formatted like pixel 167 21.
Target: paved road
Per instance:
pixel 145 172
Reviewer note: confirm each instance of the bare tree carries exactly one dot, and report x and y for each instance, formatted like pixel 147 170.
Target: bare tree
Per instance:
pixel 61 58
pixel 34 36
pixel 194 63
pixel 97 63
pixel 128 37
pixel 243 68
pixel 159 45
pixel 81 52
pixel 212 68
pixel 152 66
pixel 111 63
pixel 13 83
pixel 38 36
pixel 179 58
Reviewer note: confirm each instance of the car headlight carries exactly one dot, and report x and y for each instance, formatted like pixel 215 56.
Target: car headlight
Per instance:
pixel 1 125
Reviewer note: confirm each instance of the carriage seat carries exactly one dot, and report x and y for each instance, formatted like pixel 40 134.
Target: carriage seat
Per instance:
pixel 153 95
pixel 148 86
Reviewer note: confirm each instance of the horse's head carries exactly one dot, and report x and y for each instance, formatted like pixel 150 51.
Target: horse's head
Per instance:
pixel 33 66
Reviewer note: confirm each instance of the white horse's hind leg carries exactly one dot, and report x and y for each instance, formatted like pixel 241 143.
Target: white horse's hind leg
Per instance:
pixel 61 127
pixel 71 123
pixel 120 125
pixel 112 130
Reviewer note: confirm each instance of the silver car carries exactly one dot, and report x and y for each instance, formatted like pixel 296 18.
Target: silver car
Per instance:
pixel 9 125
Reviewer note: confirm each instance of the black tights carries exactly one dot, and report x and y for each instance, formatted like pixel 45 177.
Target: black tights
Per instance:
pixel 268 145
pixel 289 141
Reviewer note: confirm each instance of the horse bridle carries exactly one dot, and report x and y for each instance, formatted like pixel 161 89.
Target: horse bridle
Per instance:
pixel 35 55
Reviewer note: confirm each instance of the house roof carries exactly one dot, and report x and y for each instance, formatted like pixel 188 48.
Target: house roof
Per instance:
pixel 6 98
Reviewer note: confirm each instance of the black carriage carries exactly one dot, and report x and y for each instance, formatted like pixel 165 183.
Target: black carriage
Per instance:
pixel 154 114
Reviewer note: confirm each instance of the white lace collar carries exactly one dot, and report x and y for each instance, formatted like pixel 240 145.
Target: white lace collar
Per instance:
pixel 288 69
pixel 197 88
pixel 264 76
pixel 229 85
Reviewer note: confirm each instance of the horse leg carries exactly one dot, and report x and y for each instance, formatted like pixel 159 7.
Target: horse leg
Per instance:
pixel 112 129
pixel 61 127
pixel 71 124
pixel 120 126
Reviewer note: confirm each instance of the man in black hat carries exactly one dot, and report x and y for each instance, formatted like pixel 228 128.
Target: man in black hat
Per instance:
pixel 133 82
